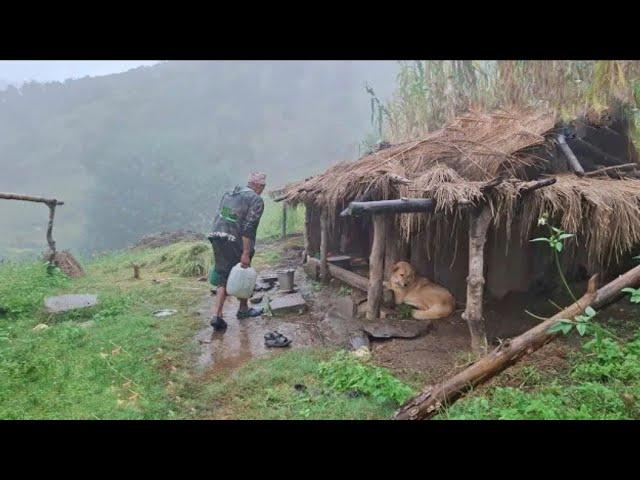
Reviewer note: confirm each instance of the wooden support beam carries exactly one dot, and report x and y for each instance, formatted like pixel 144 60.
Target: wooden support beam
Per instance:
pixel 624 166
pixel 402 205
pixel 307 226
pixel 478 225
pixel 284 220
pixel 376 267
pixel 52 203
pixel 431 400
pixel 609 159
pixel 574 164
pixel 350 278
pixel 324 238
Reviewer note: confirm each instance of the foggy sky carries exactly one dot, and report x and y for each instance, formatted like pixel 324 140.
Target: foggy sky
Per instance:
pixel 16 72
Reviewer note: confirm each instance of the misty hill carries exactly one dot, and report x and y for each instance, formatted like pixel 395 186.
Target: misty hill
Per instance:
pixel 152 149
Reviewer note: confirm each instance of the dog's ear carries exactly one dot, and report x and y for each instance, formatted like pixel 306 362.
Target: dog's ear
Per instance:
pixel 395 268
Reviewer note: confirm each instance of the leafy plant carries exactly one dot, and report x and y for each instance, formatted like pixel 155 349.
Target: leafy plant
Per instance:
pixel 580 322
pixel 345 373
pixel 634 294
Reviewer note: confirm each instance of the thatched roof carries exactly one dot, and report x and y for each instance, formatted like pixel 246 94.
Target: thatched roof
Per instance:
pixel 451 165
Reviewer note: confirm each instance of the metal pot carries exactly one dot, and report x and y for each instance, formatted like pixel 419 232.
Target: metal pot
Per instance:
pixel 285 279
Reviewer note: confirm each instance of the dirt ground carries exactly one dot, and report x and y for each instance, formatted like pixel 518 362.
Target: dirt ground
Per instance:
pixel 441 352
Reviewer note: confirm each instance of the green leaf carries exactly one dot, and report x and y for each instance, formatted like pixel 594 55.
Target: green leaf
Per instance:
pixel 541 239
pixel 582 328
pixel 566 235
pixel 590 311
pixel 629 290
pixel 559 247
pixel 556 230
pixel 566 328
pixel 555 328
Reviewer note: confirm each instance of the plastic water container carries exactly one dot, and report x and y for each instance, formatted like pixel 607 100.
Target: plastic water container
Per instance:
pixel 241 281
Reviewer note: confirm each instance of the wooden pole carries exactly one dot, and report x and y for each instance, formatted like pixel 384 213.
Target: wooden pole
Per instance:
pixel 324 273
pixel 573 160
pixel 478 226
pixel 284 220
pixel 307 226
pixel 51 203
pixel 402 205
pixel 376 267
pixel 429 402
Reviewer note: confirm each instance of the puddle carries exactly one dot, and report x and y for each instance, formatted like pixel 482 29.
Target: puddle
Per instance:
pixel 243 339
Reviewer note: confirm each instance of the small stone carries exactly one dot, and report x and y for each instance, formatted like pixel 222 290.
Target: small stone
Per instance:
pixel 64 303
pixel 40 327
pixel 257 299
pixel 362 352
pixel 287 303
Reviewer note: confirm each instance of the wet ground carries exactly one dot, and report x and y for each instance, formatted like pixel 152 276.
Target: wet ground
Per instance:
pixel 442 351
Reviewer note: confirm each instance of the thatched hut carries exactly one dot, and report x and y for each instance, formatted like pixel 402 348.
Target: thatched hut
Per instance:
pixel 462 203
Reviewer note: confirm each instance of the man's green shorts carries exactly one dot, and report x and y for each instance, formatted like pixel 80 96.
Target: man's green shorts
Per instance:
pixel 226 256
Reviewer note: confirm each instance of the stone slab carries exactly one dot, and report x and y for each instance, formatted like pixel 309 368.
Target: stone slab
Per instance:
pixel 65 303
pixel 292 302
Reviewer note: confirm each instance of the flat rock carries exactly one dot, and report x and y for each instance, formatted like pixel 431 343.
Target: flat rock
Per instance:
pixel 64 303
pixel 359 339
pixel 287 303
pixel 396 329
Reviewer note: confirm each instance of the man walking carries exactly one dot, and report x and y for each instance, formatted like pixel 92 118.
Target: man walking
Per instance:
pixel 233 239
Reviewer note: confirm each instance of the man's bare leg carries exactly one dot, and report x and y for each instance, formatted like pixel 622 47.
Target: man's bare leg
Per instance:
pixel 243 305
pixel 221 295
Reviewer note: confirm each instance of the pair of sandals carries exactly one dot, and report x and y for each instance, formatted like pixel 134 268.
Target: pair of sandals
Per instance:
pixel 276 340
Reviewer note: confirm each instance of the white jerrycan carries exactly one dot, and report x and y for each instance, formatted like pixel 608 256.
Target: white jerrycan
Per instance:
pixel 241 281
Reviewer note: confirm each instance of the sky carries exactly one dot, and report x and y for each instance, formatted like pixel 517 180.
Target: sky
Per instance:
pixel 16 72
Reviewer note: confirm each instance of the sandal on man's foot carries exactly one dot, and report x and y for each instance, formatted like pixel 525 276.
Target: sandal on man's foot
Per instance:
pixel 277 341
pixel 252 312
pixel 218 324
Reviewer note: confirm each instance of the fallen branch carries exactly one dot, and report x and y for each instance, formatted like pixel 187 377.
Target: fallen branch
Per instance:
pixel 431 400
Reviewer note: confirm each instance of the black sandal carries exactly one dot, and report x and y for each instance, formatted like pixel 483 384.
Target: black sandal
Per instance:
pixel 276 340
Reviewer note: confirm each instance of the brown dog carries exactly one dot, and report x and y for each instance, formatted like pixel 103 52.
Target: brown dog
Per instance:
pixel 429 299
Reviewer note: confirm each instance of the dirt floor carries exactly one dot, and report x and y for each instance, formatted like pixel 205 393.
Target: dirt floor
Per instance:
pixel 442 351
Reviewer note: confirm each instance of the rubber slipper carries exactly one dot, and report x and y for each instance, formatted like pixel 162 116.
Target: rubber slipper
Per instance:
pixel 252 312
pixel 279 341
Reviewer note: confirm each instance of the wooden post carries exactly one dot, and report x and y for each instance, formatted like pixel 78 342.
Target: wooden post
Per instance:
pixel 478 226
pixel 307 225
pixel 376 267
pixel 50 241
pixel 573 160
pixel 324 271
pixel 284 220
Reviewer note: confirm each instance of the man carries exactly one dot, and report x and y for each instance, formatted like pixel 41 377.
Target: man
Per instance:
pixel 233 239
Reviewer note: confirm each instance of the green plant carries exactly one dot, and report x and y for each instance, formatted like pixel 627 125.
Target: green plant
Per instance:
pixel 405 311
pixel 343 372
pixel 344 291
pixel 634 294
pixel 580 322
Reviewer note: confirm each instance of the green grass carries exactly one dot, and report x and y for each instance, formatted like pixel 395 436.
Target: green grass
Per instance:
pixel 121 367
pixel 271 222
pixel 117 361
pixel 264 389
pixel 604 383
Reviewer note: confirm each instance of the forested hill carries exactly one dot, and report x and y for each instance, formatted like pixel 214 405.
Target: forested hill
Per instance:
pixel 153 148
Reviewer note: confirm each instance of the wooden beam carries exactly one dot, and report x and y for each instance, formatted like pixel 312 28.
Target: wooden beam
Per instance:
pixel 307 225
pixel 624 166
pixel 323 247
pixel 350 278
pixel 284 220
pixel 478 225
pixel 376 267
pixel 609 158
pixel 402 205
pixel 574 164
pixel 430 401
pixel 30 198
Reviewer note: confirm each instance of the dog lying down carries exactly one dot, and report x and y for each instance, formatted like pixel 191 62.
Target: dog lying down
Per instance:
pixel 429 300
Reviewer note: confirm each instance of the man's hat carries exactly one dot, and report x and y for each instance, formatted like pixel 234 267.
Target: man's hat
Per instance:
pixel 258 178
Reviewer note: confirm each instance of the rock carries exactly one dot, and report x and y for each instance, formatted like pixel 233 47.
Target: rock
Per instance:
pixel 40 327
pixel 65 303
pixel 345 307
pixel 359 339
pixel 397 329
pixel 255 300
pixel 270 279
pixel 292 302
pixel 363 353
pixel 164 313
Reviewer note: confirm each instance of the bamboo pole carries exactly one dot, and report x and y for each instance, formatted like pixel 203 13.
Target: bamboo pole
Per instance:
pixel 478 226
pixel 376 267
pixel 307 233
pixel 350 278
pixel 431 400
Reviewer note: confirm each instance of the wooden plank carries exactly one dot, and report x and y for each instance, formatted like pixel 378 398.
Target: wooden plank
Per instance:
pixel 323 247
